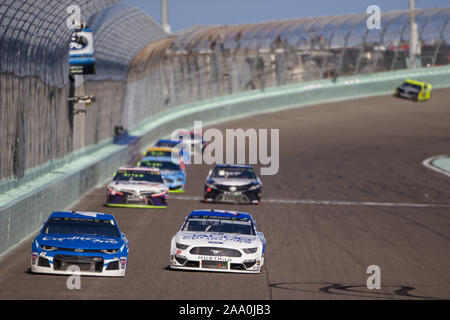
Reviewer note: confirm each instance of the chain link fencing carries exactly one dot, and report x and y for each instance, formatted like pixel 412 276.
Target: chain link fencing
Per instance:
pixel 36 123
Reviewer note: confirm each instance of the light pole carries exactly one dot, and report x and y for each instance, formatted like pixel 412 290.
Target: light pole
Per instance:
pixel 164 16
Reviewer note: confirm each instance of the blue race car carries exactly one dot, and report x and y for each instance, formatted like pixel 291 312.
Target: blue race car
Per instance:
pixel 85 243
pixel 172 172
pixel 184 152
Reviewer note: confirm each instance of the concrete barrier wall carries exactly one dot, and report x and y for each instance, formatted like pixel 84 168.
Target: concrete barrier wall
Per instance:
pixel 24 209
pixel 223 108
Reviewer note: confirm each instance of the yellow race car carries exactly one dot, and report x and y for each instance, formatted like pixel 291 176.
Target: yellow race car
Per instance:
pixel 415 90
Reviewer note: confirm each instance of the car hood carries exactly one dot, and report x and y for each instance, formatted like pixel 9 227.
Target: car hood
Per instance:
pixel 80 241
pixel 216 239
pixel 171 174
pixel 137 185
pixel 232 182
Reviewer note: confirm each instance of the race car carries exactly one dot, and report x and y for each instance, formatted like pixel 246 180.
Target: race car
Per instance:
pixel 415 90
pixel 195 139
pixel 166 153
pixel 85 243
pixel 137 187
pixel 218 240
pixel 184 152
pixel 234 184
pixel 172 173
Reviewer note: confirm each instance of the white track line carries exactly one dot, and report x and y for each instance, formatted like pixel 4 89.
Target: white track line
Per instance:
pixel 335 202
pixel 428 163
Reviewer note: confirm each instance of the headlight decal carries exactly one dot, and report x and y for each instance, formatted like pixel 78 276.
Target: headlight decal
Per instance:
pixel 250 250
pixel 256 186
pixel 48 248
pixel 159 194
pixel 114 192
pixel 181 246
pixel 110 251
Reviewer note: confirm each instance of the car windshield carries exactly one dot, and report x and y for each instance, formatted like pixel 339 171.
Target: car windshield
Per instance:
pixel 170 144
pixel 219 224
pixel 196 136
pixel 415 86
pixel 162 165
pixel 136 175
pixel 154 153
pixel 68 225
pixel 233 172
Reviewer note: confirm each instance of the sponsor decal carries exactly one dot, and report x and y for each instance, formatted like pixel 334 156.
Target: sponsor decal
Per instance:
pixel 34 258
pixel 80 238
pixel 215 242
pixel 123 263
pixel 218 237
pixel 211 258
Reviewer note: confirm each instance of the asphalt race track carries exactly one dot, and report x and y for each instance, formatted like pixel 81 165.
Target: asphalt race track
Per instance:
pixel 351 192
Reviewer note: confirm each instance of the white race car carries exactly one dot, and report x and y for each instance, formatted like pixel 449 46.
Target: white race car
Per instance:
pixel 217 240
pixel 137 187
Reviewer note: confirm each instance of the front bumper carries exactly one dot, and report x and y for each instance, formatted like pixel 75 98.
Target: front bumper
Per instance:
pixel 129 201
pixel 251 263
pixel 242 196
pixel 176 187
pixel 69 264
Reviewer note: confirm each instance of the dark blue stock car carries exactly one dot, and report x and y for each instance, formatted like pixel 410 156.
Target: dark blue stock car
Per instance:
pixel 78 242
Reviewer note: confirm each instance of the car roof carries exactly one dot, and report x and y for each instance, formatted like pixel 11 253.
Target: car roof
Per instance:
pixel 414 82
pixel 82 214
pixel 160 159
pixel 221 213
pixel 233 166
pixel 160 149
pixel 138 168
pixel 168 140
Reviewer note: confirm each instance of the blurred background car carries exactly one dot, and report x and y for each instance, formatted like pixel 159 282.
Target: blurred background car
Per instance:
pixel 415 90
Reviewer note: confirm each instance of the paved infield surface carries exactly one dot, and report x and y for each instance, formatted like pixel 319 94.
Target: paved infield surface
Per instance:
pixel 350 193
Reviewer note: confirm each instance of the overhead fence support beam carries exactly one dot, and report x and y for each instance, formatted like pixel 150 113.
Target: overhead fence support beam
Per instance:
pixel 413 35
pixel 165 16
